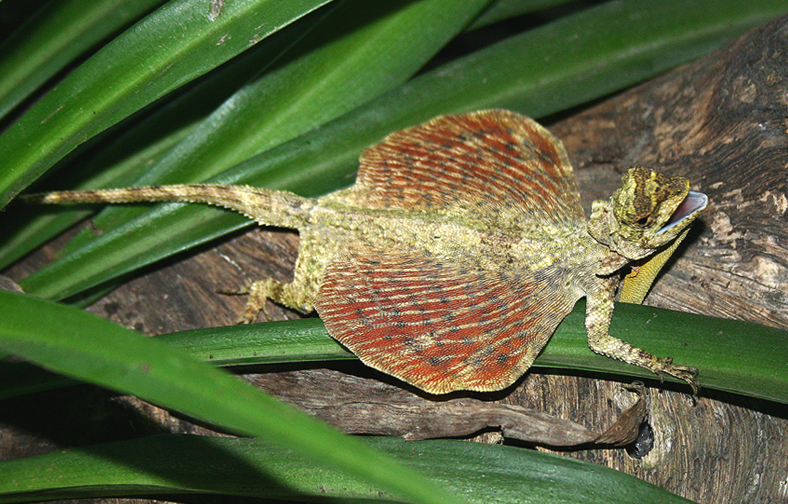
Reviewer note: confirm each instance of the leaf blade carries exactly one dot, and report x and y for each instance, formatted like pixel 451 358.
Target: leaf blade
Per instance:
pixel 86 347
pixel 481 473
pixel 143 64
pixel 55 36
pixel 713 345
pixel 340 64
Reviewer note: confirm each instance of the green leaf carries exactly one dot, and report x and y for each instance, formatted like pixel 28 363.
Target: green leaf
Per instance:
pixel 83 346
pixel 710 344
pixel 575 59
pixel 340 64
pixel 137 144
pixel 57 34
pixel 304 340
pixel 481 473
pixel 505 9
pixel 172 46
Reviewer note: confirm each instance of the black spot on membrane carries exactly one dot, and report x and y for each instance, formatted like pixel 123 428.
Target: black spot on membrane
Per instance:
pixel 435 361
pixel 502 358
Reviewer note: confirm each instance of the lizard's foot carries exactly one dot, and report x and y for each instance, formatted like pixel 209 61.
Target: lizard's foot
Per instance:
pixel 686 373
pixel 290 295
pixel 258 293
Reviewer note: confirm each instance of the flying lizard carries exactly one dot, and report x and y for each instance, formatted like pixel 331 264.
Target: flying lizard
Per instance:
pixel 459 249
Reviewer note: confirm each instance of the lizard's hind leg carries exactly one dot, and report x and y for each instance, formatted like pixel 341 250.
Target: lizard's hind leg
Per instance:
pixel 300 294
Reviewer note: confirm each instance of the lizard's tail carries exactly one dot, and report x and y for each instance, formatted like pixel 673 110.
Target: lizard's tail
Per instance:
pixel 267 207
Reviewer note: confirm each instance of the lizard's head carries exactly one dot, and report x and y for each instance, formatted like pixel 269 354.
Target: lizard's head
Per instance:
pixel 648 211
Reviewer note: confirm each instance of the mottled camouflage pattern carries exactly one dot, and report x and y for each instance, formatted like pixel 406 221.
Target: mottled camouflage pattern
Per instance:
pixel 458 251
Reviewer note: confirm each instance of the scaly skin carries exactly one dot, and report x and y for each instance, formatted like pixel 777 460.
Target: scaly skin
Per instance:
pixel 458 251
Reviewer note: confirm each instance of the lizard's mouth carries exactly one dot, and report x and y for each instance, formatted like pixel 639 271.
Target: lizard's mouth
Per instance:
pixel 692 204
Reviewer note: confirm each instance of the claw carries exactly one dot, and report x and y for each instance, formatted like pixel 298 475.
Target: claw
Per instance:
pixel 686 373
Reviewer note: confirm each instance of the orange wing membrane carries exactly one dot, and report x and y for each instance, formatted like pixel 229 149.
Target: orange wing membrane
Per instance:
pixel 439 326
pixel 496 168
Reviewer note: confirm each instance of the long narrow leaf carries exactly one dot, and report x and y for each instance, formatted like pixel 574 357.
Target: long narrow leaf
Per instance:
pixel 505 9
pixel 175 44
pixel 481 473
pixel 708 343
pixel 54 37
pixel 145 143
pixel 80 345
pixel 337 67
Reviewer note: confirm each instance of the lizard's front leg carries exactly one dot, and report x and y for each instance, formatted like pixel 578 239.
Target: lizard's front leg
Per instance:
pixel 293 294
pixel 300 294
pixel 599 312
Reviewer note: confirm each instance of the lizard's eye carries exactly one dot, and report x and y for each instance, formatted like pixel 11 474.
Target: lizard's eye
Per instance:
pixel 642 222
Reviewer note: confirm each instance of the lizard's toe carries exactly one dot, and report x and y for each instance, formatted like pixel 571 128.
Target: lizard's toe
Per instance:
pixel 686 373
